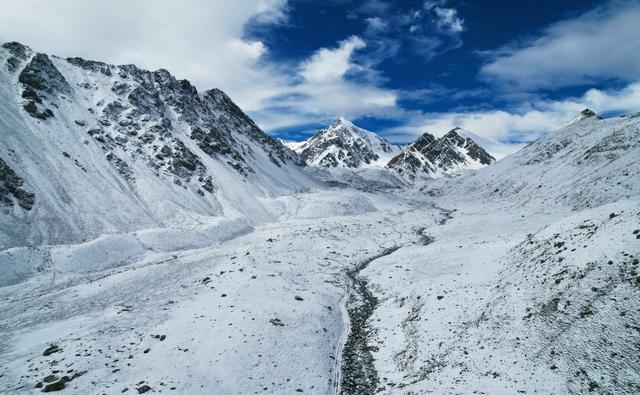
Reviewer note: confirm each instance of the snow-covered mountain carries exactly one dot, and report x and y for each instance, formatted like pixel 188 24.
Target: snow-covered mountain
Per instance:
pixel 292 145
pixel 537 274
pixel 584 114
pixel 450 154
pixel 343 144
pixel 89 147
pixel 153 238
pixel 585 164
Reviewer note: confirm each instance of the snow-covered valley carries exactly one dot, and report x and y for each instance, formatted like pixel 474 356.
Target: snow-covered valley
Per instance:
pixel 520 277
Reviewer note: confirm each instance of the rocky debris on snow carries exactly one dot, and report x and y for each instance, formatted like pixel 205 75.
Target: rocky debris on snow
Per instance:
pixel 11 187
pixel 51 349
pixel 52 382
pixel 41 81
pixel 359 375
pixel 276 322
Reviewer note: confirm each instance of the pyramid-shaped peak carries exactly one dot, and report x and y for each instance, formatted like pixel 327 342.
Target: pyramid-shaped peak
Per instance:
pixel 425 138
pixel 587 113
pixel 455 132
pixel 342 121
pixel 584 114
pixel 17 49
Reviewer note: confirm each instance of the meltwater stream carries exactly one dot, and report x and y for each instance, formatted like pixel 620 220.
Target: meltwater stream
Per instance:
pixel 359 375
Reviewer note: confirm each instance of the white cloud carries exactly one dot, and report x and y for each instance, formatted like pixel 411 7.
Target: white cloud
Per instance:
pixel 328 65
pixel 323 91
pixel 201 40
pixel 449 20
pixel 602 44
pixel 376 24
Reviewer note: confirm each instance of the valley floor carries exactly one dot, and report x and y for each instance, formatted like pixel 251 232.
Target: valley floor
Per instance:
pixel 457 305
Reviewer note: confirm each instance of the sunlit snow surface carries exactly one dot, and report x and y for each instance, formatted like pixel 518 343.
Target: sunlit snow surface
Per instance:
pixel 521 277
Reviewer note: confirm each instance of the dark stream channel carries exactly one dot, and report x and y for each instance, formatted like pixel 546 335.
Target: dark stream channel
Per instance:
pixel 359 375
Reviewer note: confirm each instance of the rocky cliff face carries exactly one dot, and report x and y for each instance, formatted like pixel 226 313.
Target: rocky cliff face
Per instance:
pixel 433 157
pixel 73 127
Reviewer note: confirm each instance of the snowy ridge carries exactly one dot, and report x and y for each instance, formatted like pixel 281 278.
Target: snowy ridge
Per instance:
pixel 584 114
pixel 434 157
pixel 535 274
pixel 585 164
pixel 343 144
pixel 90 148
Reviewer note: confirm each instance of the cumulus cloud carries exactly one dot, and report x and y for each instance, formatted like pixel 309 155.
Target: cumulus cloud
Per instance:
pixel 327 65
pixel 600 45
pixel 204 41
pixel 201 40
pixel 322 90
pixel 446 19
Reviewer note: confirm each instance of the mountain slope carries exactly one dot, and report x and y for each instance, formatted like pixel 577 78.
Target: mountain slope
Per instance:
pixel 90 148
pixel 531 285
pixel 585 164
pixel 435 157
pixel 343 144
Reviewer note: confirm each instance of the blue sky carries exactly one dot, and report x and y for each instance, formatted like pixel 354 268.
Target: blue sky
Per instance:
pixel 507 71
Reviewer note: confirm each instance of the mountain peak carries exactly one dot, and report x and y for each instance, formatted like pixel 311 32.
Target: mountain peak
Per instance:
pixel 455 133
pixel 17 49
pixel 584 114
pixel 587 113
pixel 342 121
pixel 449 154
pixel 343 144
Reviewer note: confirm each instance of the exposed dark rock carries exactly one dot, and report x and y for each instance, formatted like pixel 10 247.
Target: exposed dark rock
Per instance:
pixel 35 111
pixel 30 94
pixel 146 101
pixel 56 386
pixel 429 155
pixel 121 166
pixel 50 378
pixel 91 65
pixel 276 322
pixel 41 75
pixel 11 185
pixel 19 53
pixel 18 50
pixel 51 349
pixel 40 78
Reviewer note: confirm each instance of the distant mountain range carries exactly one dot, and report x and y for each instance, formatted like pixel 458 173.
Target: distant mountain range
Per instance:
pixel 345 145
pixel 450 154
